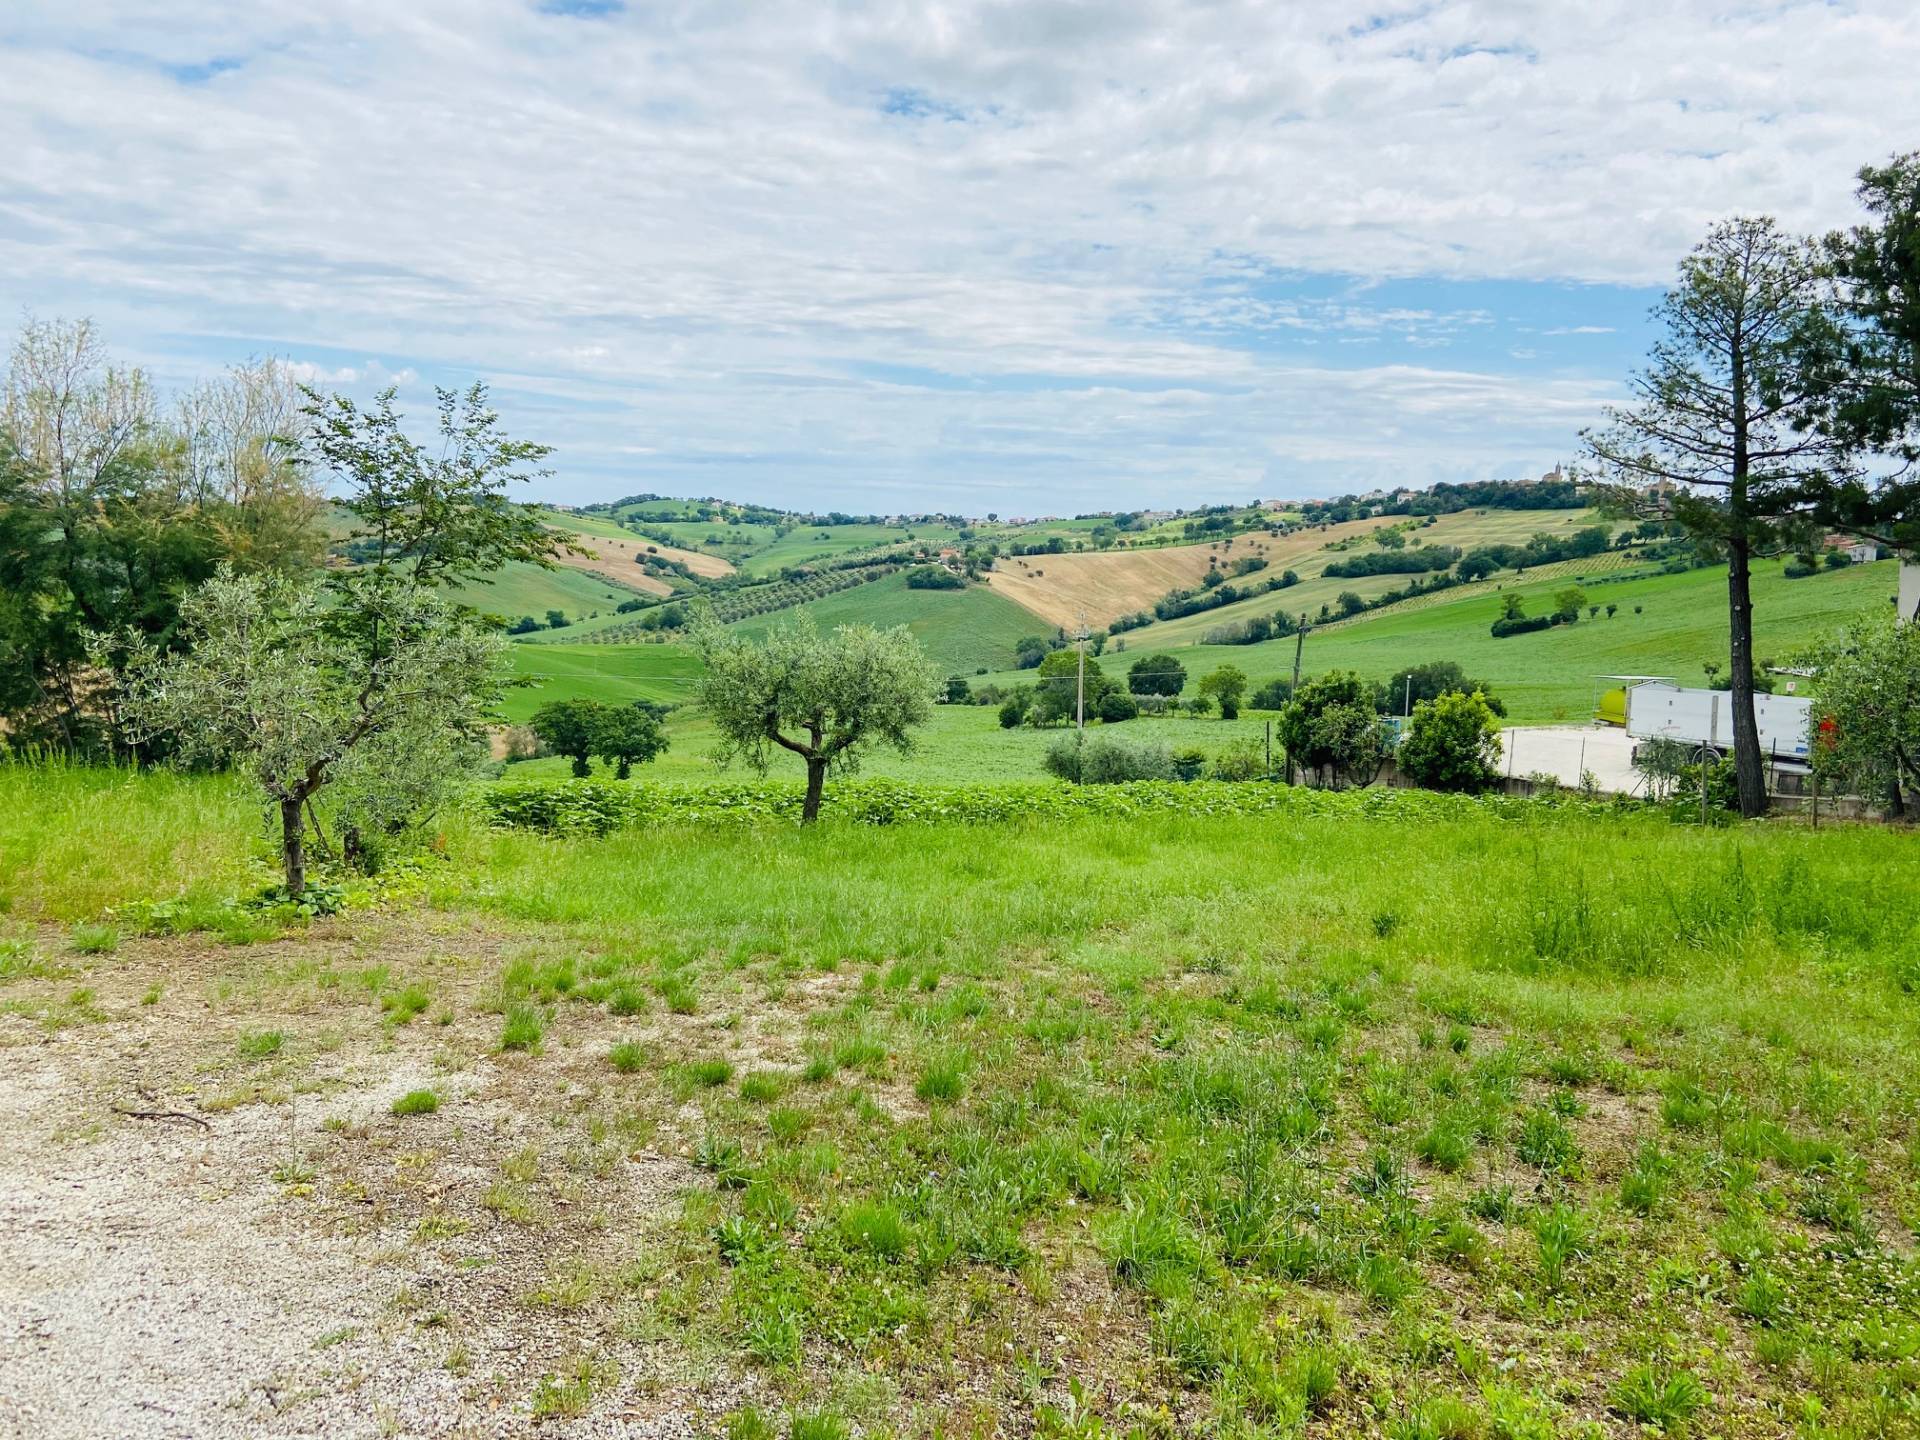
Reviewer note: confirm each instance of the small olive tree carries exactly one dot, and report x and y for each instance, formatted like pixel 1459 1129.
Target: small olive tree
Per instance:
pixel 826 698
pixel 284 685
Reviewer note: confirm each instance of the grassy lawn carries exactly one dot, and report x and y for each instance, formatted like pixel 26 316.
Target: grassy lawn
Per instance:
pixel 1352 1125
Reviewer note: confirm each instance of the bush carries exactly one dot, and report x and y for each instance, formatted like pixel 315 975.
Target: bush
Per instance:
pixel 1453 743
pixel 1014 708
pixel 1273 695
pixel 1240 762
pixel 1118 705
pixel 1520 625
pixel 1103 761
pixel 1187 764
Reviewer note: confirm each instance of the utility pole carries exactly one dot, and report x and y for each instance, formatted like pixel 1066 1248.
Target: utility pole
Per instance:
pixel 1080 677
pixel 1299 644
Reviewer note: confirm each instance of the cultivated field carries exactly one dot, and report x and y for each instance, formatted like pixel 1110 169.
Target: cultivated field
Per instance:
pixel 1407 1120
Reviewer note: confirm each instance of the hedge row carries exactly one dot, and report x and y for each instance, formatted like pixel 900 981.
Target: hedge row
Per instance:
pixel 596 807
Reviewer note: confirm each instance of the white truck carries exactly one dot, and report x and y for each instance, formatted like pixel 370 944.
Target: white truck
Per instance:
pixel 1702 718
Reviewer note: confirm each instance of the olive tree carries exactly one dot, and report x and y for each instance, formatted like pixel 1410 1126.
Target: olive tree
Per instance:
pixel 825 698
pixel 281 683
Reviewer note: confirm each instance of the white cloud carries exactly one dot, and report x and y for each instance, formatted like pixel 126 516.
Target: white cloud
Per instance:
pixel 699 232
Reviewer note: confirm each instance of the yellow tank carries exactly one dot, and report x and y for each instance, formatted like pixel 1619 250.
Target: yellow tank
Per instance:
pixel 1613 707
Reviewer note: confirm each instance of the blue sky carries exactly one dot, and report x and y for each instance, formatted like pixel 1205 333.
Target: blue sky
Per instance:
pixel 1046 256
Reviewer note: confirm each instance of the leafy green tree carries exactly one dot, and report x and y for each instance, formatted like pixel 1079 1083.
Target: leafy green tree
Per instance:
pixel 566 727
pixel 1568 602
pixel 1117 705
pixel 826 699
pixel 1452 743
pixel 1156 675
pixel 1013 709
pixel 1330 726
pixel 277 682
pixel 111 511
pixel 1872 402
pixel 1273 695
pixel 432 515
pixel 1225 686
pixel 1406 688
pixel 1867 732
pixel 1350 603
pixel 958 691
pixel 1721 435
pixel 628 735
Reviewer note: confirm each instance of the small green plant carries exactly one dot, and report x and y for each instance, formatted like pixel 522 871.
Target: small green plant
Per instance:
pixel 708 1074
pixel 626 1057
pixel 96 940
pixel 1546 1143
pixel 877 1229
pixel 417 1102
pixel 818 1425
pixel 402 1005
pixel 259 1044
pixel 1658 1396
pixel 1446 1145
pixel 762 1086
pixel 1561 1235
pixel 944 1079
pixel 751 1424
pixel 522 1029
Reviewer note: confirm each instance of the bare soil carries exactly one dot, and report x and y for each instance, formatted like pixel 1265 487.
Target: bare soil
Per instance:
pixel 272 1252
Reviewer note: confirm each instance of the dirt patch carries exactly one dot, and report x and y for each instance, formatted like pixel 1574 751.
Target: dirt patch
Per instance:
pixel 620 560
pixel 295 1259
pixel 1110 583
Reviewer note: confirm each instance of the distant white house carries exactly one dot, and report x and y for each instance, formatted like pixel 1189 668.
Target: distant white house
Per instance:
pixel 1860 552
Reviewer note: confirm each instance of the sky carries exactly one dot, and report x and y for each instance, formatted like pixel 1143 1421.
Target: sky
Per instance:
pixel 1031 256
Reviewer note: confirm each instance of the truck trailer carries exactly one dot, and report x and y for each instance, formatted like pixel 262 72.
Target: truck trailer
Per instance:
pixel 1703 719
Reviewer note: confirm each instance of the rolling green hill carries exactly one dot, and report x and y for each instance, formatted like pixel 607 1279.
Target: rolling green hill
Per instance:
pixel 963 630
pixel 611 673
pixel 522 589
pixel 1548 676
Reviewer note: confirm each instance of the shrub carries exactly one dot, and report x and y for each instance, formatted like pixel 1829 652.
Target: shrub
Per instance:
pixel 1240 763
pixel 1453 743
pixel 1105 761
pixel 1520 625
pixel 1225 685
pixel 626 1057
pixel 1118 705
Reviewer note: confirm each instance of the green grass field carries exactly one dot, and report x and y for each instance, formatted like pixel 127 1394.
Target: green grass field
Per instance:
pixel 522 589
pixel 611 673
pixel 962 630
pixel 1571 1125
pixel 1548 676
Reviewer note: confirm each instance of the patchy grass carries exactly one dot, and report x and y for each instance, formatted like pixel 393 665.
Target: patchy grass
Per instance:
pixel 1073 1128
pixel 417 1102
